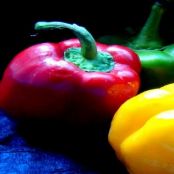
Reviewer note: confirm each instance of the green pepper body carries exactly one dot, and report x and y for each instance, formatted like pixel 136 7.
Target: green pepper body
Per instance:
pixel 156 58
pixel 157 66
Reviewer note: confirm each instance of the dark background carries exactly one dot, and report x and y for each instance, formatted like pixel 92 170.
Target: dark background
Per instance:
pixel 30 144
pixel 102 18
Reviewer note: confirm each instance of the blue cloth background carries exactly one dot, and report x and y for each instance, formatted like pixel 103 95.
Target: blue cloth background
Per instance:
pixel 42 147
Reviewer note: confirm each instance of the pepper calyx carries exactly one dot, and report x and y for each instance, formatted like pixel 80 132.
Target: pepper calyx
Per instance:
pixel 103 62
pixel 86 57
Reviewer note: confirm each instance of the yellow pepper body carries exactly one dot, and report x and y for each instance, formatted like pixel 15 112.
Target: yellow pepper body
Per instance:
pixel 142 132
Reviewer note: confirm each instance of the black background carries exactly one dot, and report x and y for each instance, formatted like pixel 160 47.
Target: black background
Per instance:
pixel 100 18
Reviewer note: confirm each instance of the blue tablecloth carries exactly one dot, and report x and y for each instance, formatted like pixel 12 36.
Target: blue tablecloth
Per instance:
pixel 42 147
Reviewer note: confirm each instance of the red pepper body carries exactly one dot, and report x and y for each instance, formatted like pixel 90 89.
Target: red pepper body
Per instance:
pixel 39 82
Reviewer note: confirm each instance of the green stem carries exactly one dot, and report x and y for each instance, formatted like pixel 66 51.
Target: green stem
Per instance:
pixel 88 46
pixel 149 34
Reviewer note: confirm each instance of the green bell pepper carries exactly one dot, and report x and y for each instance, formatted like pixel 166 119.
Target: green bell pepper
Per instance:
pixel 157 59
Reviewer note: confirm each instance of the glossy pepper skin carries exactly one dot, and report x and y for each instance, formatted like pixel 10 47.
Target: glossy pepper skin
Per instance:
pixel 141 132
pixel 42 81
pixel 156 55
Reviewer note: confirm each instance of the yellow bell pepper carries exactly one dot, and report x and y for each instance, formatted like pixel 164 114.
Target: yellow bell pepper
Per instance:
pixel 142 132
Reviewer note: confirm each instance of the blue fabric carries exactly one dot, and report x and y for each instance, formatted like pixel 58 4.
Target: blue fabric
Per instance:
pixel 41 147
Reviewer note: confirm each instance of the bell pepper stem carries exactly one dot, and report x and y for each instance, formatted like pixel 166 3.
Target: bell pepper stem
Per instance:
pixel 149 34
pixel 88 46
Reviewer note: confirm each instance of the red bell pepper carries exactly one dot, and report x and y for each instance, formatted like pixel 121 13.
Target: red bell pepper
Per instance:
pixel 74 79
